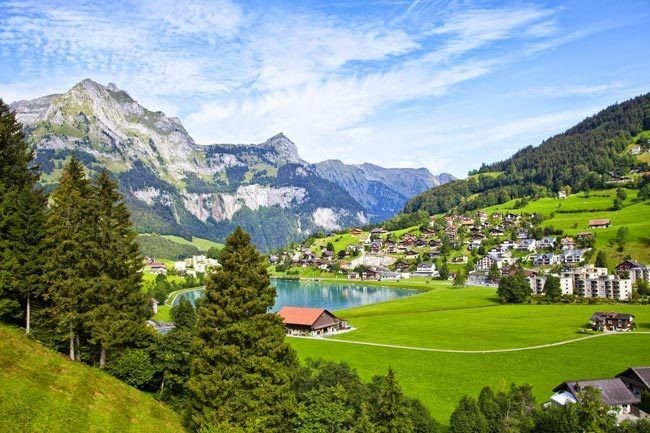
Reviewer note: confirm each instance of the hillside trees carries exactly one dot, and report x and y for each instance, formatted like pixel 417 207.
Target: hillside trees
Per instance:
pixel 22 217
pixel 242 370
pixel 93 263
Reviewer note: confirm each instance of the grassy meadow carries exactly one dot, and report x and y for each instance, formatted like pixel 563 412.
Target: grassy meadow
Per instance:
pixel 471 319
pixel 42 391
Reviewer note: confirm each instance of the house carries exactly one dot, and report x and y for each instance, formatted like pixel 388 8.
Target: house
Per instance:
pixel 401 266
pixel 459 260
pixel 613 393
pixel 353 276
pixel 392 276
pixel 600 321
pixel 635 270
pixel 636 150
pixel 527 245
pixel 157 268
pixel 522 234
pixel 561 194
pixel 599 223
pixel 546 242
pixel 573 256
pixel 426 269
pixel 637 380
pixel 356 232
pixel 310 321
pixel 546 259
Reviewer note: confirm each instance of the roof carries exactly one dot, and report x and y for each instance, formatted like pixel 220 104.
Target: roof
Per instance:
pixel 613 391
pixel 643 373
pixel 599 222
pixel 617 316
pixel 301 315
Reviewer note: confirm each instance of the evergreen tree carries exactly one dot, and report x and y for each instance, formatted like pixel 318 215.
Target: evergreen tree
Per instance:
pixel 118 308
pixel 71 256
pixel 444 269
pixel 468 418
pixel 494 274
pixel 391 411
pixel 460 278
pixel 552 288
pixel 242 370
pixel 601 259
pixel 22 217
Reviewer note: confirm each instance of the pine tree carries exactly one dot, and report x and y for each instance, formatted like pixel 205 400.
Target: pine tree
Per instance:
pixel 22 214
pixel 468 418
pixel 242 370
pixel 71 252
pixel 391 414
pixel 117 306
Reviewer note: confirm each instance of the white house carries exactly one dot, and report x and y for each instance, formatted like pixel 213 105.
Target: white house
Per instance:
pixel 426 269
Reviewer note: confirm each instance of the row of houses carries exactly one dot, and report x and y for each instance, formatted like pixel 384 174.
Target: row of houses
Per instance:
pixel 424 269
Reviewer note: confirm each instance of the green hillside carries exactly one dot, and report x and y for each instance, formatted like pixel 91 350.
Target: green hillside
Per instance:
pixel 42 391
pixel 173 247
pixel 572 215
pixel 587 156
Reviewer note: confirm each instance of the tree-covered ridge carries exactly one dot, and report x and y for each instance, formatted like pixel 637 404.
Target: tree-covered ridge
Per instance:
pixel 584 157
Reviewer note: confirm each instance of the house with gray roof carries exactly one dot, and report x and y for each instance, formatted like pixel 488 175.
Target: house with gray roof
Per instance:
pixel 614 393
pixel 637 380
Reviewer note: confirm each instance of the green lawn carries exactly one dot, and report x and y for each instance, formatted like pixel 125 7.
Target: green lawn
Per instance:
pixel 471 319
pixel 42 391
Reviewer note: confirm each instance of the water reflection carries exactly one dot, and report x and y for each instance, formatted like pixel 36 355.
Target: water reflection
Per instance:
pixel 333 296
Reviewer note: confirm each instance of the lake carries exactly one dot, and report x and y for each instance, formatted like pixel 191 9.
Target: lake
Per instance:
pixel 332 296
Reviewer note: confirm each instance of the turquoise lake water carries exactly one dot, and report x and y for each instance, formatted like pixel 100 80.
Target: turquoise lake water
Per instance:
pixel 333 296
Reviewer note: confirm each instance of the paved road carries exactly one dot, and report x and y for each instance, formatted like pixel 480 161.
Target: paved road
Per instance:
pixel 514 349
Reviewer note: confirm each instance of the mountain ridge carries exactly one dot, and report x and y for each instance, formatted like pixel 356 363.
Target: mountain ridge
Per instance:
pixel 174 185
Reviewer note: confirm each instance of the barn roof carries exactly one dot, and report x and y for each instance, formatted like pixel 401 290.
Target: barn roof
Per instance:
pixel 301 315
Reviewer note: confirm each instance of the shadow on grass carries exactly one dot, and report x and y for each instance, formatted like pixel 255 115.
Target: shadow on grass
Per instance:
pixel 643 326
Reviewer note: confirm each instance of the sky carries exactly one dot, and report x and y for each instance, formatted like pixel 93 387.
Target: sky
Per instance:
pixel 446 85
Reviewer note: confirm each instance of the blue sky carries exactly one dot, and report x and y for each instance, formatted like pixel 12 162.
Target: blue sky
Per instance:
pixel 442 84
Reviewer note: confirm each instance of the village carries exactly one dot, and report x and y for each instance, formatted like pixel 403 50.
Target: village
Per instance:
pixel 480 247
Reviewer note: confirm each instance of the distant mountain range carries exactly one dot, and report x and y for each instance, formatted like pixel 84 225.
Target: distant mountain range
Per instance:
pixel 175 186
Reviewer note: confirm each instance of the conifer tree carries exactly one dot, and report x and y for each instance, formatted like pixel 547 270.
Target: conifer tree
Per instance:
pixel 22 213
pixel 242 370
pixel 72 256
pixel 391 412
pixel 117 306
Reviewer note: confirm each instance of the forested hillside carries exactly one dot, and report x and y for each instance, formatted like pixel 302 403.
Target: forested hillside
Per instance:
pixel 587 156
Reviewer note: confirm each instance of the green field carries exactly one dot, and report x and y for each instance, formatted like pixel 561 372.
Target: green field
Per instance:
pixel 42 391
pixel 470 319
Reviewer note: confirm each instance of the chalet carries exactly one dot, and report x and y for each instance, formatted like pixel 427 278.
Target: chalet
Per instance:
pixel 402 266
pixel 376 233
pixel 637 380
pixel 157 268
pixel 573 256
pixel 522 234
pixel 546 259
pixel 600 321
pixel 411 253
pixel 547 242
pixel 353 276
pixel 599 223
pixel 420 242
pixel 459 260
pixel 508 245
pixel 435 243
pixel 310 321
pixel 496 232
pixel 613 393
pixel 356 232
pixel 426 269
pixel 527 245
pixel 369 275
pixel 635 270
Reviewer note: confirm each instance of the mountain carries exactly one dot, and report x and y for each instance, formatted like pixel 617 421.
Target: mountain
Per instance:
pixel 587 156
pixel 174 185
pixel 381 191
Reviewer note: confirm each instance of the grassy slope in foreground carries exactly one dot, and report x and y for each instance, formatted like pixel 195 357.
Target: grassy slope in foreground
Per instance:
pixel 470 319
pixel 41 391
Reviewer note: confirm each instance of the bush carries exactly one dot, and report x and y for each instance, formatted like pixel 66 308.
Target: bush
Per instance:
pixel 133 367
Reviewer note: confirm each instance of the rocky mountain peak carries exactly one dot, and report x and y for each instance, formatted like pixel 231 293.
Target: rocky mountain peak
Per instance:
pixel 285 148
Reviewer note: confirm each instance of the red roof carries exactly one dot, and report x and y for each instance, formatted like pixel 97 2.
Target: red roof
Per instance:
pixel 301 315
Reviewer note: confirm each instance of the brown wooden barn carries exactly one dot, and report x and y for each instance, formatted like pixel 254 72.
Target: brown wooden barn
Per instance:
pixel 310 321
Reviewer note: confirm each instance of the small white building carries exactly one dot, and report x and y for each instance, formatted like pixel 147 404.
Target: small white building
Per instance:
pixel 426 269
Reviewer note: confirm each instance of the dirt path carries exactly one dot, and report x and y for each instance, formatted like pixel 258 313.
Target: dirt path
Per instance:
pixel 515 349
